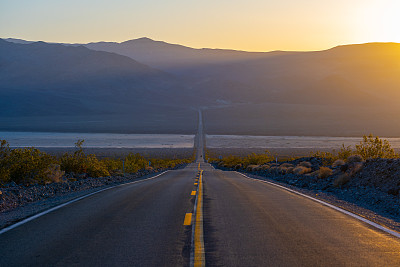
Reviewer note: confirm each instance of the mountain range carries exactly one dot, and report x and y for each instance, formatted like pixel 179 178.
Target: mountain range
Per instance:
pixel 150 86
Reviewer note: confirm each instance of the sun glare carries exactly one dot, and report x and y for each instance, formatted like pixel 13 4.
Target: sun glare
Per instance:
pixel 380 21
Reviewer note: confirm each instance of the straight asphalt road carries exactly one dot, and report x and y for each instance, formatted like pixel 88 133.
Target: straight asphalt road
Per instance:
pixel 245 223
pixel 251 223
pixel 138 224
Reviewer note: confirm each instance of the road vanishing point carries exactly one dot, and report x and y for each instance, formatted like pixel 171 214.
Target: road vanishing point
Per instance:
pixel 196 216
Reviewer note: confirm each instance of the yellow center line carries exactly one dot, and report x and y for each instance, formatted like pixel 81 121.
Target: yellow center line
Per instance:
pixel 195 183
pixel 193 193
pixel 188 219
pixel 198 234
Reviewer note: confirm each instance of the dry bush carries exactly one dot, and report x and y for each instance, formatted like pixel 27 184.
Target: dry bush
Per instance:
pixel 305 164
pixel 354 158
pixel 338 162
pixel 286 165
pixel 251 168
pixel 373 147
pixel 54 173
pixel 341 180
pixel 265 167
pixel 324 172
pixel 301 170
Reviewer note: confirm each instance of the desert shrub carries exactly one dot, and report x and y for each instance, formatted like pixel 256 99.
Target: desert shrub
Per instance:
pixel 286 165
pixel 113 165
pixel 258 159
pixel 251 159
pixel 4 168
pixel 285 168
pixel 251 168
pixel 341 180
pixel 324 172
pixel 28 165
pixel 354 158
pixel 54 173
pixel 327 157
pixel 135 162
pixel 345 152
pixel 337 163
pixel 305 164
pixel 301 170
pixel 80 163
pixel 374 147
pixel 265 167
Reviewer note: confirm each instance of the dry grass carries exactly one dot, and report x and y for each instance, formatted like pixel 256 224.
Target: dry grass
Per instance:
pixel 324 172
pixel 301 170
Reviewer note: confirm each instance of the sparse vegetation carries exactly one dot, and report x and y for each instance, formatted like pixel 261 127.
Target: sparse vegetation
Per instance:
pixel 305 164
pixel 370 147
pixel 31 166
pixel 301 170
pixel 354 158
pixel 243 162
pixel 373 147
pixel 338 163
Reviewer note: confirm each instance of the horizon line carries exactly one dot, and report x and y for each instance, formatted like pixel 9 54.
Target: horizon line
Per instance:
pixel 201 48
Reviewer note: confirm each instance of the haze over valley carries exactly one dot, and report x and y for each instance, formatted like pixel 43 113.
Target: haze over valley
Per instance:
pixel 147 86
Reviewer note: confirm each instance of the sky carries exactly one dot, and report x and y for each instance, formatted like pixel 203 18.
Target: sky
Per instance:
pixel 252 25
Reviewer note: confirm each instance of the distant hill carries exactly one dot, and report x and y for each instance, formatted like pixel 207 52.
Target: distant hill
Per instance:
pixel 177 59
pixel 41 79
pixel 271 76
pixel 346 90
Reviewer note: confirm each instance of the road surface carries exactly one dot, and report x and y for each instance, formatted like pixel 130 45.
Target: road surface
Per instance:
pixel 245 223
pixel 251 223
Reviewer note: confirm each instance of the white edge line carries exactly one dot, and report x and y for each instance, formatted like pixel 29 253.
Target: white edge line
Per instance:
pixel 8 228
pixel 378 226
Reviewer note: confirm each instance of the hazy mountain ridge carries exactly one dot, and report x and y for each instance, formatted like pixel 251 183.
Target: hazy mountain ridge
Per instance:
pixel 177 59
pixel 80 73
pixel 271 76
pixel 346 90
